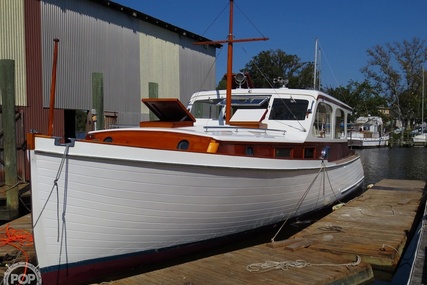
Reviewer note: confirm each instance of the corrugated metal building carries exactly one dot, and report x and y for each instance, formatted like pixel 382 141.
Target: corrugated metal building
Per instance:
pixel 138 56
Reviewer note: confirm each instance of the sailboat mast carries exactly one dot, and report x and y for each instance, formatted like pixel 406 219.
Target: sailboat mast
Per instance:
pixel 229 66
pixel 422 106
pixel 315 66
pixel 230 40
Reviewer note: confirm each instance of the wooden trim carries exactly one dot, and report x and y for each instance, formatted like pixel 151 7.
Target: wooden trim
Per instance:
pixel 160 124
pixel 249 124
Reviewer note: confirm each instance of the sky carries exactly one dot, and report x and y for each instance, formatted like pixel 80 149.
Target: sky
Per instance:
pixel 345 29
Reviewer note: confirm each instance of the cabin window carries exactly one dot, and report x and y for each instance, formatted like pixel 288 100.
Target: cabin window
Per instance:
pixel 108 139
pixel 207 109
pixel 322 121
pixel 339 124
pixel 283 152
pixel 183 145
pixel 289 109
pixel 246 103
pixel 309 152
pixel 211 108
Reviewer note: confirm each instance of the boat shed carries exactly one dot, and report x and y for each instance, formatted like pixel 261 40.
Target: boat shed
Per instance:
pixel 128 53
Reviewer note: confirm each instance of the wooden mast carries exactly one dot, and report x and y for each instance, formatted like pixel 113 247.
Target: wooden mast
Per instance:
pixel 229 66
pixel 230 40
pixel 52 89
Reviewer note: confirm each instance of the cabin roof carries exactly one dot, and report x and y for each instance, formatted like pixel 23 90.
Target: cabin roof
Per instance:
pixel 269 92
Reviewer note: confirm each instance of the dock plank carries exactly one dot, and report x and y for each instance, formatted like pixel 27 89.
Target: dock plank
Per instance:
pixel 376 224
pixel 10 254
pixel 230 268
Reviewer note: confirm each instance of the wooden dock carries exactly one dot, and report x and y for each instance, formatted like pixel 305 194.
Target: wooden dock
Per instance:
pixel 349 246
pixel 376 225
pixel 16 243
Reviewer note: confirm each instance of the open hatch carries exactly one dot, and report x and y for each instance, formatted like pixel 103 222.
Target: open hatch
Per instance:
pixel 170 112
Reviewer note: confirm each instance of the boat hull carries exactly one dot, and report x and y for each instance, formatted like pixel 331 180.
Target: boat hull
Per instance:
pixel 422 138
pixel 101 206
pixel 368 142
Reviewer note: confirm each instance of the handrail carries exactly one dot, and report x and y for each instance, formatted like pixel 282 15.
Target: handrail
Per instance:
pixel 244 128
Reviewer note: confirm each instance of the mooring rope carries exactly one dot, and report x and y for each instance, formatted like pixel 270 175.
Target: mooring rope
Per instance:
pixel 19 195
pixel 322 168
pixel 55 186
pixel 299 203
pixel 19 239
pixel 285 265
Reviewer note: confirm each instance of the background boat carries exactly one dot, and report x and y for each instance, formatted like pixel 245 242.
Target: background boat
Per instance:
pixel 422 137
pixel 368 132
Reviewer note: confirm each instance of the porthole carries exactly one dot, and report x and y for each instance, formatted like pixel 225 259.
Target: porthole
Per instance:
pixel 183 145
pixel 249 151
pixel 108 139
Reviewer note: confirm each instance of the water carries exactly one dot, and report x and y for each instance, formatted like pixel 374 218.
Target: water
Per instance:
pixel 396 163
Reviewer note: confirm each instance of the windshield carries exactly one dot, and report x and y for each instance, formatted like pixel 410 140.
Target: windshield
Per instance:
pixel 289 109
pixel 206 108
pixel 211 108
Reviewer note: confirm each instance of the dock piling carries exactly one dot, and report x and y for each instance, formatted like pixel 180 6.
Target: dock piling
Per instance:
pixel 7 90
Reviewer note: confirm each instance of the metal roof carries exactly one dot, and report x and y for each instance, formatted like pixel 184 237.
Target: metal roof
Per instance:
pixel 149 19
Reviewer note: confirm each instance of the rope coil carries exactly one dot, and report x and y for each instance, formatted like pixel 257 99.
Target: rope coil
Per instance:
pixel 19 239
pixel 285 265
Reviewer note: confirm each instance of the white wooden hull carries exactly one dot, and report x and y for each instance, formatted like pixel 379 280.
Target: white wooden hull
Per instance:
pixel 116 201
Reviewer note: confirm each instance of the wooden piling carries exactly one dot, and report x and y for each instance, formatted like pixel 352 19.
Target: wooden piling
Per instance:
pixel 98 98
pixel 7 90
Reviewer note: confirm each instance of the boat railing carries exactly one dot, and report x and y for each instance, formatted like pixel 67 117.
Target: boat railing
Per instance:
pixel 237 128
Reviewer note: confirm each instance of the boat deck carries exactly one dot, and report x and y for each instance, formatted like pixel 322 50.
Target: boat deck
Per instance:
pixel 365 236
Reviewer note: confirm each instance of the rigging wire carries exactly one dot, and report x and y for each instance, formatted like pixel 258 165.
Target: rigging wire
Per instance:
pixel 272 88
pixel 247 18
pixel 329 65
pixel 216 18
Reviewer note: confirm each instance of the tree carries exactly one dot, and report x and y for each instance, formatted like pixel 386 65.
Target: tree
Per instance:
pixel 395 70
pixel 271 64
